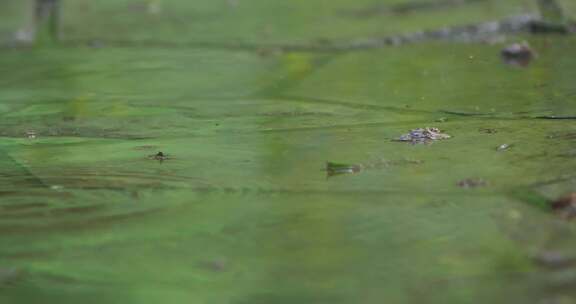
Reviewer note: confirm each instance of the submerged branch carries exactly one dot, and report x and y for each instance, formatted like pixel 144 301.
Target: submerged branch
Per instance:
pixel 478 32
pixel 406 8
pixel 556 117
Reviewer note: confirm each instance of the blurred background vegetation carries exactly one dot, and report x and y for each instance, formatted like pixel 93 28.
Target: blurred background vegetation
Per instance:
pixel 258 21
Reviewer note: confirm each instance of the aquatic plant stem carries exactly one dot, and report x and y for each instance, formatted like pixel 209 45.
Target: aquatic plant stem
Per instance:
pixel 47 21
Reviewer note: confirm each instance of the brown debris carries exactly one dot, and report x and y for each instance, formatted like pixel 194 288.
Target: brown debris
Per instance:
pixel 565 206
pixel 160 156
pixel 472 183
pixel 518 54
pixel 423 135
pixel 488 130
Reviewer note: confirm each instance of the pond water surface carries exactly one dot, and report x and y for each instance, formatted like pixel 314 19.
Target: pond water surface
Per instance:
pixel 242 210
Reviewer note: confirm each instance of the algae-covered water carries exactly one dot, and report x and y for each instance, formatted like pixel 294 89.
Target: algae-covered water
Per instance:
pixel 242 210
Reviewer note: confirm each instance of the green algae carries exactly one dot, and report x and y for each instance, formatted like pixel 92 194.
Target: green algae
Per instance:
pixel 242 211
